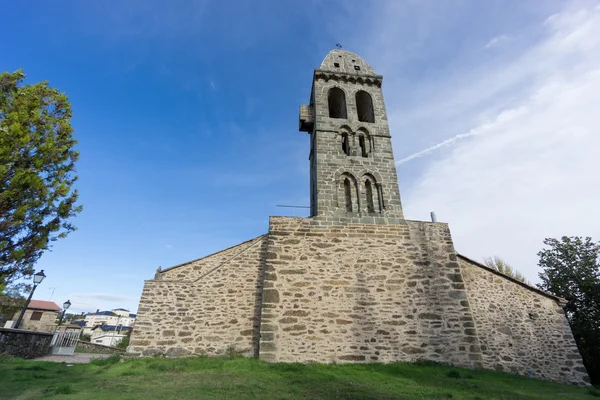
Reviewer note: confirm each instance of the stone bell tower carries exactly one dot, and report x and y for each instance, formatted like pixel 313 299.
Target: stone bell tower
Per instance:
pixel 352 170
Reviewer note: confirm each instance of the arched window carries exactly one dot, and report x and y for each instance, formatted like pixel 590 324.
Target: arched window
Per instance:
pixel 364 107
pixel 373 196
pixel 369 189
pixel 345 143
pixel 348 194
pixel 337 103
pixel 364 142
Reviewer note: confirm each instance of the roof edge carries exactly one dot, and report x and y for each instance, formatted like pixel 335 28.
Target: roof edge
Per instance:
pixel 211 254
pixel 560 300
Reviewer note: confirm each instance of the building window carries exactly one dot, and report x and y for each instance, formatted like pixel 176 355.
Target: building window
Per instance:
pixel 364 149
pixel 345 144
pixel 337 103
pixel 373 195
pixel 36 316
pixel 364 107
pixel 348 194
pixel 369 188
pixel 364 142
pixel 348 198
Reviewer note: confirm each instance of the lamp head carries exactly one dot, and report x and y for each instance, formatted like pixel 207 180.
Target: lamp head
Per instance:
pixel 39 277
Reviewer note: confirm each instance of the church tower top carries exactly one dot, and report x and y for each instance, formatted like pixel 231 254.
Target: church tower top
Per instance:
pixel 346 62
pixel 352 171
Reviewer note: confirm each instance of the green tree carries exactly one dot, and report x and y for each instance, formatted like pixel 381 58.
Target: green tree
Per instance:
pixel 571 269
pixel 503 267
pixel 37 172
pixel 123 343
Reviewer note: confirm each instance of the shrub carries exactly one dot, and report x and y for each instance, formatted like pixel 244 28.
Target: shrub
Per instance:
pixel 86 338
pixel 453 374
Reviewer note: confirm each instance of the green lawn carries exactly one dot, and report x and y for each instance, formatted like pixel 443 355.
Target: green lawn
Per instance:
pixel 245 378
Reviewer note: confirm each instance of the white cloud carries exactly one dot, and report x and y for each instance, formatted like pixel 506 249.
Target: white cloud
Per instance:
pixel 495 41
pixel 86 302
pixel 530 169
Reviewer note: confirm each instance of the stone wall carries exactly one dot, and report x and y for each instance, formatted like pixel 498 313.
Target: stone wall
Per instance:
pixel 355 293
pixel 47 323
pixel 95 347
pixel 206 306
pixel 521 329
pixel 25 344
pixel 373 293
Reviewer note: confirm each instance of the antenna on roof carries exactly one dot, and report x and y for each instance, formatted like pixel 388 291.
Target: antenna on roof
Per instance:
pixel 338 45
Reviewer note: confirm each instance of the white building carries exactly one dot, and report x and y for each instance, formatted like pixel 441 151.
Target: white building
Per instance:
pixel 109 335
pixel 116 317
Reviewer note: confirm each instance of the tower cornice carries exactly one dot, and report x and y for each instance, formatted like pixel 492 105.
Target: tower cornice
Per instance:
pixel 345 77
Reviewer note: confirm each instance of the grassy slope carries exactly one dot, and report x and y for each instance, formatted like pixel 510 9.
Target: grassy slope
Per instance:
pixel 243 378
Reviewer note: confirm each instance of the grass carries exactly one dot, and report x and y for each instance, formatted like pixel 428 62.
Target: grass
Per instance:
pixel 245 378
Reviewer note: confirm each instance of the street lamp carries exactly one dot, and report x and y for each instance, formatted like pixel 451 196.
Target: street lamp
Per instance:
pixel 37 279
pixel 66 306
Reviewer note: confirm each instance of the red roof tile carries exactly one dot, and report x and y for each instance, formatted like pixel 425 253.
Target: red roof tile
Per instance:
pixel 44 305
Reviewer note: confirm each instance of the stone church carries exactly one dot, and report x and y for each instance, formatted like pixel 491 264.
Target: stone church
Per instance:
pixel 354 282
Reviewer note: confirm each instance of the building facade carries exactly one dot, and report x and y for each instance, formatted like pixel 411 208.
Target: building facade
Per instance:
pixel 116 317
pixel 354 282
pixel 40 316
pixel 109 335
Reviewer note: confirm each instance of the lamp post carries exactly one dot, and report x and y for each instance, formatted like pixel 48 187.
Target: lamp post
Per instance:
pixel 37 279
pixel 66 306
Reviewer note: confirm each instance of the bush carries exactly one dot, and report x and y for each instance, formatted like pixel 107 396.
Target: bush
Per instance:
pixel 86 338
pixel 123 343
pixel 453 374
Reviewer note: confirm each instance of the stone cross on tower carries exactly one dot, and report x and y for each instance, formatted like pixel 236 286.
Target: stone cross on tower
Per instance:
pixel 352 170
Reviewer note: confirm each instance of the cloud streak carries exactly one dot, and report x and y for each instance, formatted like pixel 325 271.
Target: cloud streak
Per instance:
pixel 495 41
pixel 528 171
pixel 486 128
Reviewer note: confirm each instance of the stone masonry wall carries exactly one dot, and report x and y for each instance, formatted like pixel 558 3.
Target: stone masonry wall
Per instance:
pixel 22 343
pixel 372 293
pixel 521 330
pixel 46 324
pixel 203 307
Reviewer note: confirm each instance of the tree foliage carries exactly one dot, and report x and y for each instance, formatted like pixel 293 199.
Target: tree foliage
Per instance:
pixel 503 267
pixel 123 343
pixel 37 172
pixel 571 269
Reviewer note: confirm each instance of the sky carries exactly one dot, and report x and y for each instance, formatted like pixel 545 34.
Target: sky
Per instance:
pixel 186 113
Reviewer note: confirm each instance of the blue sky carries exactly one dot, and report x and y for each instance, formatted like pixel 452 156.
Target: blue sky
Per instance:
pixel 186 115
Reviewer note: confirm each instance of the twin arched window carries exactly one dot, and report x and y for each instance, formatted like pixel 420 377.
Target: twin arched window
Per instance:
pixel 368 198
pixel 336 99
pixel 358 143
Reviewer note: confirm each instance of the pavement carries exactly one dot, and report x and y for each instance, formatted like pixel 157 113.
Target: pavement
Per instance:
pixel 77 358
